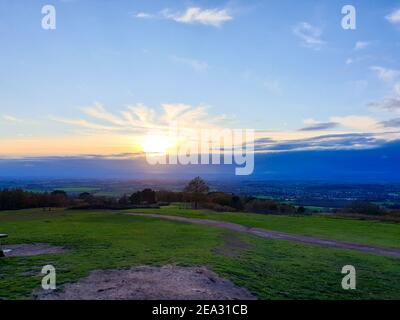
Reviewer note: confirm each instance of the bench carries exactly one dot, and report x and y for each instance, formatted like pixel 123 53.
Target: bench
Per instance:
pixel 2 236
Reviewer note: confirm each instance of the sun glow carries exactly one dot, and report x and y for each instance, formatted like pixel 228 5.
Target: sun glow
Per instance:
pixel 156 144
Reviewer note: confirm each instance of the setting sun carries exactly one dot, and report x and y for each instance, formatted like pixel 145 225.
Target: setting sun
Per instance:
pixel 156 144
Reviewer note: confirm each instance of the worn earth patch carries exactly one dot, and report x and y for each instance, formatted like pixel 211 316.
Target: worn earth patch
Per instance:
pixel 33 249
pixel 233 245
pixel 150 283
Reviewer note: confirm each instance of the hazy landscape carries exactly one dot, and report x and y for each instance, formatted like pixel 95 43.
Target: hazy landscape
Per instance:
pixel 199 150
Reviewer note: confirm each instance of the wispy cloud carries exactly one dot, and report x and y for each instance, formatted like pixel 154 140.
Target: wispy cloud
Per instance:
pixel 386 74
pixel 214 17
pixel 83 124
pixel 321 126
pixel 211 17
pixel 361 45
pixel 140 118
pixel 394 17
pixel 144 15
pixel 322 142
pixel 11 119
pixel 98 111
pixel 197 65
pixel 99 131
pixel 392 123
pixel 309 34
pixel 352 122
pixel 360 123
pixel 390 103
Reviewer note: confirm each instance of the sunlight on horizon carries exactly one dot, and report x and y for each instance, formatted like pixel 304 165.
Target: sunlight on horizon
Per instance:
pixel 157 144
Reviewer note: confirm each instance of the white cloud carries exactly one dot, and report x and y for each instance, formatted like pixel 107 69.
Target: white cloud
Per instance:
pixel 310 121
pixel 144 15
pixel 212 17
pixel 196 65
pixel 98 111
pixel 386 74
pixel 353 122
pixel 361 45
pixel 349 61
pixel 394 17
pixel 11 119
pixel 309 34
pixel 84 124
pixel 192 15
pixel 362 123
pixel 397 89
pixel 140 118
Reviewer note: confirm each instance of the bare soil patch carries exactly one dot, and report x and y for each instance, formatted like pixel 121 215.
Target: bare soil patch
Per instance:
pixel 34 249
pixel 150 283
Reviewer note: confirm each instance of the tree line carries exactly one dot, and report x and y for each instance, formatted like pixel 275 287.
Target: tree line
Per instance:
pixel 197 194
pixel 15 199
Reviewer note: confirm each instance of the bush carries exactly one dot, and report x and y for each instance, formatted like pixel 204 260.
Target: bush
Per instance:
pixel 217 207
pixel 363 207
pixel 268 206
pixel 147 196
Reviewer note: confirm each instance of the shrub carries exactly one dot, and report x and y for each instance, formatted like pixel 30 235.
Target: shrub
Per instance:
pixel 363 207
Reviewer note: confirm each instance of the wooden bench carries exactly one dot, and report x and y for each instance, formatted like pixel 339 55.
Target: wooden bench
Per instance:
pixel 2 236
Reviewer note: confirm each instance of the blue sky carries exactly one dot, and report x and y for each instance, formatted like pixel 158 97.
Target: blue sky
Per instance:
pixel 274 66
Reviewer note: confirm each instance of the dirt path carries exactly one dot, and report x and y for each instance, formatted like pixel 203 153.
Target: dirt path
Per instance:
pixel 390 252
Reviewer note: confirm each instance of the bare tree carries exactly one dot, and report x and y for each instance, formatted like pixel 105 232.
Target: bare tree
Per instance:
pixel 196 189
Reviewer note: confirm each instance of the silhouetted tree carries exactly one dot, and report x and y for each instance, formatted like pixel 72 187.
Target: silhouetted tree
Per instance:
pixel 301 210
pixel 363 207
pixel 135 198
pixel 84 196
pixel 196 189
pixel 124 200
pixel 59 193
pixel 147 196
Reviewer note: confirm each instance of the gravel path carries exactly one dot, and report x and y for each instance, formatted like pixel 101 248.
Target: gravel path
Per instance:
pixel 390 252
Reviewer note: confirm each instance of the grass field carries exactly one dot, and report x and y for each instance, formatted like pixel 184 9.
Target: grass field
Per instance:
pixel 351 230
pixel 271 269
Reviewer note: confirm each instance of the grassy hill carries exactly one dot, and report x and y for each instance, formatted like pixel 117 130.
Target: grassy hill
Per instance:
pixel 270 269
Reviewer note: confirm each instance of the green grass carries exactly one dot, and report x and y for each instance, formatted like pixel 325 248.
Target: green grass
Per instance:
pixel 351 230
pixel 271 269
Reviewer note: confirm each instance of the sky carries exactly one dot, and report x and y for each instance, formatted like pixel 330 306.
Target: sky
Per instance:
pixel 112 71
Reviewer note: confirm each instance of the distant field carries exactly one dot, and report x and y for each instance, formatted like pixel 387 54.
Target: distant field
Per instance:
pixel 79 189
pixel 66 189
pixel 271 269
pixel 109 193
pixel 361 231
